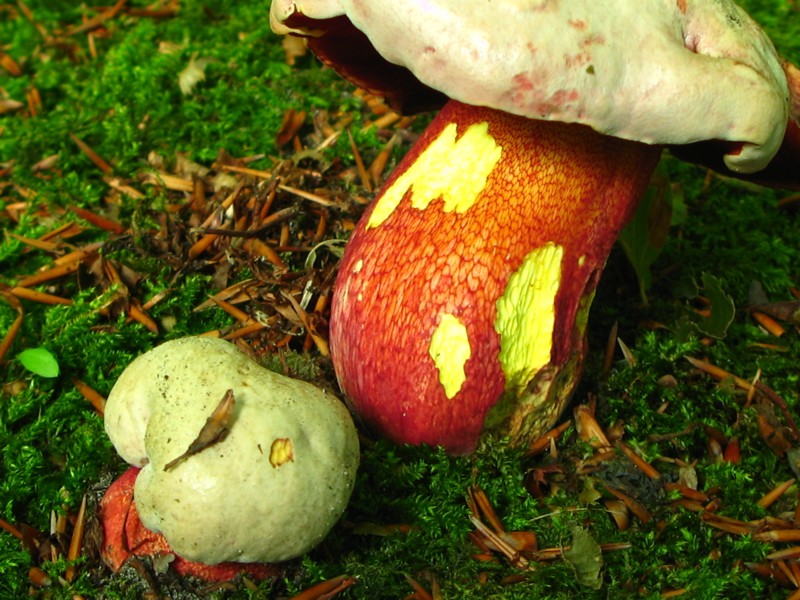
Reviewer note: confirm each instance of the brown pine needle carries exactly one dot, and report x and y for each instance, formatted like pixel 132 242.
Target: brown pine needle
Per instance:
pixel 79 254
pixel 727 524
pixel 256 247
pixel 91 395
pixel 201 245
pixel 419 592
pixel 11 529
pixel 626 352
pixel 244 331
pixel 34 100
pixel 39 578
pixel 34 243
pixel 229 308
pixel 292 119
pixel 278 216
pixel 97 220
pixel 97 20
pixel 326 589
pixel 543 443
pixel 153 300
pixel 171 182
pixel 362 171
pixel 228 293
pixel 778 535
pixel 8 105
pixel 719 373
pixel 618 512
pixel 785 554
pixel 11 334
pixel 770 497
pixel 788 201
pixel 116 184
pixel 637 460
pixel 772 347
pixel 485 509
pixel 76 542
pixel 786 571
pixel 65 231
pixel 98 160
pixel 10 65
pixel 589 429
pixel 321 304
pixel 686 492
pixel 138 314
pixel 382 122
pixel 381 160
pixel 674 593
pixel 608 358
pixel 686 504
pixel 40 297
pixel 321 343
pixel 247 171
pixel 306 195
pixel 636 507
pixel 224 205
pixel 512 554
pixel 771 325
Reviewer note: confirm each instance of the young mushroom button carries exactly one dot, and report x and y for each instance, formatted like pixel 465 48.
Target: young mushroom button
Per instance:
pixel 461 301
pixel 238 464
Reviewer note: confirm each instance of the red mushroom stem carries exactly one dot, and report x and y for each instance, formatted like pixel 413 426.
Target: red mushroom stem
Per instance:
pixel 462 299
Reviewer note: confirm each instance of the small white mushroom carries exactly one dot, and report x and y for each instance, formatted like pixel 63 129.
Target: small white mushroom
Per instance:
pixel 270 490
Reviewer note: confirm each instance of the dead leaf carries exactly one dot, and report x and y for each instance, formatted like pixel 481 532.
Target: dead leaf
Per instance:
pixel 214 431
pixel 192 74
pixel 586 558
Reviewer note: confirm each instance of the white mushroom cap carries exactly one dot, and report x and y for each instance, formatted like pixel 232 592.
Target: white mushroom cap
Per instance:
pixel 655 71
pixel 270 491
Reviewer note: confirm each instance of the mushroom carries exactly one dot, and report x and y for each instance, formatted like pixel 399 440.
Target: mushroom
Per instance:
pixel 462 299
pixel 124 536
pixel 237 463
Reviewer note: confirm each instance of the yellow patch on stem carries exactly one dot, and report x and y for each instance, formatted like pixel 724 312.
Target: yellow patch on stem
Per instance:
pixel 526 316
pixel 454 170
pixel 450 350
pixel 280 452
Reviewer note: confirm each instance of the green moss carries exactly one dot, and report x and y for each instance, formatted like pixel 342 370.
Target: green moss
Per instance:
pixel 126 104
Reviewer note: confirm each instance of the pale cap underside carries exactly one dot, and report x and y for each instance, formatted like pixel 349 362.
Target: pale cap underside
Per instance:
pixel 669 72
